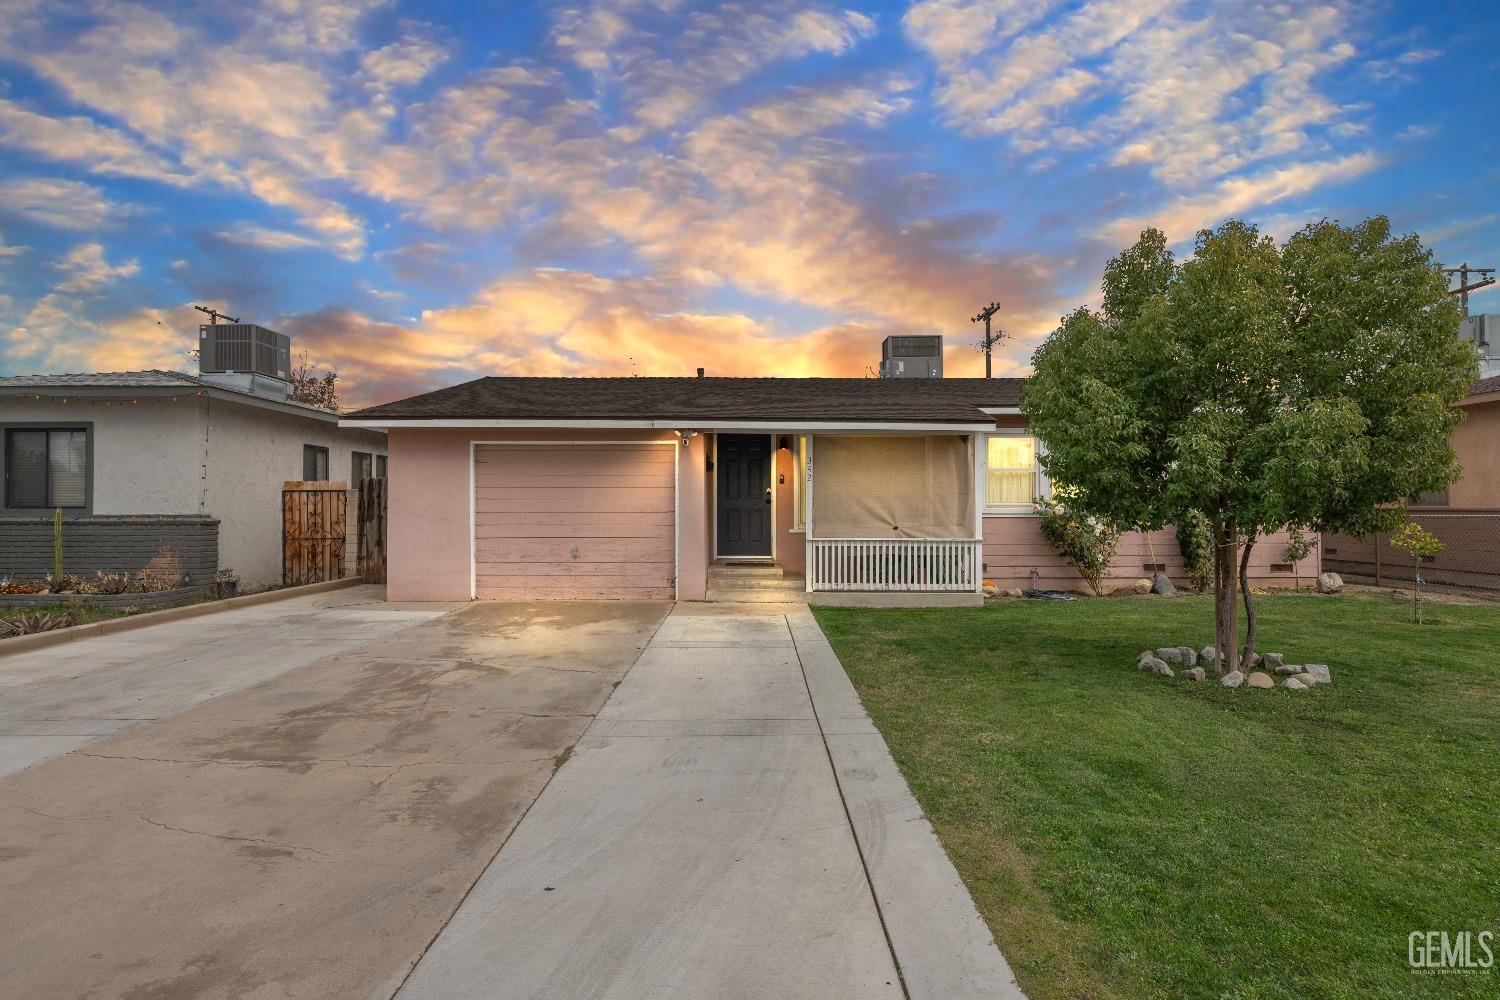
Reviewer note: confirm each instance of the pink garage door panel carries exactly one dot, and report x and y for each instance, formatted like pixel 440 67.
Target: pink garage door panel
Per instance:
pixel 564 522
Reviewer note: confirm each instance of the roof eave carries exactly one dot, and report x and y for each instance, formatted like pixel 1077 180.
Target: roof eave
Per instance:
pixel 1479 398
pixel 390 423
pixel 159 391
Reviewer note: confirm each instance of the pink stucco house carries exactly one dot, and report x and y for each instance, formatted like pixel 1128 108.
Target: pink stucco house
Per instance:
pixel 896 490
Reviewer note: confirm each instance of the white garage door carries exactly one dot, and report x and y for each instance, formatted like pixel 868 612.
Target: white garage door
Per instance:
pixel 574 521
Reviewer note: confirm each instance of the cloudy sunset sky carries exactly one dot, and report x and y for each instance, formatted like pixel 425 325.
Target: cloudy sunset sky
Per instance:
pixel 424 192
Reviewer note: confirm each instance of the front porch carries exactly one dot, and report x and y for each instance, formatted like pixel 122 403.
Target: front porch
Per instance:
pixel 872 520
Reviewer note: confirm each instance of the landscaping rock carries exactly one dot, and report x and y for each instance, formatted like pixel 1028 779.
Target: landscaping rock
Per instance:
pixel 1014 592
pixel 1306 680
pixel 1319 672
pixel 1260 680
pixel 1164 670
pixel 1233 679
pixel 1149 662
pixel 1330 583
pixel 1141 586
pixel 1163 586
pixel 1293 684
pixel 1208 655
pixel 1195 674
pixel 1272 661
pixel 1172 654
pixel 1250 662
pixel 1189 655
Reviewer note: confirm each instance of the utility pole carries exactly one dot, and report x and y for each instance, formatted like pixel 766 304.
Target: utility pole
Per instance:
pixel 214 315
pixel 990 339
pixel 1464 288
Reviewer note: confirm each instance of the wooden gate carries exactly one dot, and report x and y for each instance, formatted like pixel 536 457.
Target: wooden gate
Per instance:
pixel 312 531
pixel 372 530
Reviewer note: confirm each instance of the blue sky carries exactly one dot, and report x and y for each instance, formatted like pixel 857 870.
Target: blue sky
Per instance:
pixel 421 193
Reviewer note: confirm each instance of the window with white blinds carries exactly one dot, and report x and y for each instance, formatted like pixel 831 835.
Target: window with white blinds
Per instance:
pixel 1012 477
pixel 46 467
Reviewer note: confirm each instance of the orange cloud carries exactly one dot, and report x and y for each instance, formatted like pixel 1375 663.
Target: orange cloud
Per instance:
pixel 555 322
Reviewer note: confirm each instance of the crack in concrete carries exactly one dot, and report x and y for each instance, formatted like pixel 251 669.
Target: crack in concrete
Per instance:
pixel 232 837
pixel 372 713
pixel 64 819
pixel 568 670
pixel 303 761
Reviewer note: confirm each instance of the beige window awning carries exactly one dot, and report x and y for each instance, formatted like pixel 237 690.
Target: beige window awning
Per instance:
pixel 892 487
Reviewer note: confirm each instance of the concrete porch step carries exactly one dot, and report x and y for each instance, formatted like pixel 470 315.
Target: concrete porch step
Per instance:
pixel 778 582
pixel 758 588
pixel 783 595
pixel 729 570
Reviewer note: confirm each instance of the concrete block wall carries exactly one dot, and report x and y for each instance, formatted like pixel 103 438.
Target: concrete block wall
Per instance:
pixel 112 544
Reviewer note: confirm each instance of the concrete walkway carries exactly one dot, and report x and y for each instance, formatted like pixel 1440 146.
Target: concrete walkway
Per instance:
pixel 58 699
pixel 729 826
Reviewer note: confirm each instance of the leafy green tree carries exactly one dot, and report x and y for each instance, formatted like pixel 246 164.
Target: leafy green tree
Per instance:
pixel 1419 543
pixel 1299 545
pixel 1307 384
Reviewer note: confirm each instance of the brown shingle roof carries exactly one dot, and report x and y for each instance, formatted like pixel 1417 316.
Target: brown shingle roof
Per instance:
pixel 854 400
pixel 1485 385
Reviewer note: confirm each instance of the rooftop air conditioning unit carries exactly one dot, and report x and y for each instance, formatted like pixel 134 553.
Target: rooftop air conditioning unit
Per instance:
pixel 244 348
pixel 911 357
pixel 1484 331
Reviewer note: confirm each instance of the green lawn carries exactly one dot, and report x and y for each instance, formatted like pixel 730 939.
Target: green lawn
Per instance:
pixel 1126 835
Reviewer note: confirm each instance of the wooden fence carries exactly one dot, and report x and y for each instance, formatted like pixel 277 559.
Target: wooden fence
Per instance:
pixel 371 518
pixel 312 531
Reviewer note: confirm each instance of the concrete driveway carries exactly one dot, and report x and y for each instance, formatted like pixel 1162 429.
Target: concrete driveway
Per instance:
pixel 730 826
pixel 57 699
pixel 292 823
pixel 334 797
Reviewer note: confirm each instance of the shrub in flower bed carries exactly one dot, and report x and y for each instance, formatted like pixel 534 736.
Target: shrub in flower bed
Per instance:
pixel 29 622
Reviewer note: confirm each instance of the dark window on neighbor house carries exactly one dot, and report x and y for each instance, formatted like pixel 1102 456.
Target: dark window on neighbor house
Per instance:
pixel 361 466
pixel 46 467
pixel 1438 499
pixel 314 462
pixel 379 466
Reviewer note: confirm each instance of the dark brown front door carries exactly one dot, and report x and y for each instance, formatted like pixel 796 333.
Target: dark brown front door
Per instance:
pixel 744 471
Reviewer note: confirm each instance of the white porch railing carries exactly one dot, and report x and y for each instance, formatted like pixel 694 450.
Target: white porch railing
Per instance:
pixel 893 564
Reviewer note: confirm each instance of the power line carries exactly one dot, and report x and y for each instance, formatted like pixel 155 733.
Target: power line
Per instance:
pixel 990 339
pixel 1464 288
pixel 214 315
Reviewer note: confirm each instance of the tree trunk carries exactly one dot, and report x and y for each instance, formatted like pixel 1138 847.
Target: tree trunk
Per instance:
pixel 1249 653
pixel 1226 627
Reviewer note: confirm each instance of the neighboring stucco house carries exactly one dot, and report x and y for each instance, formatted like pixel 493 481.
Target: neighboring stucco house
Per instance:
pixel 730 488
pixel 142 460
pixel 1476 442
